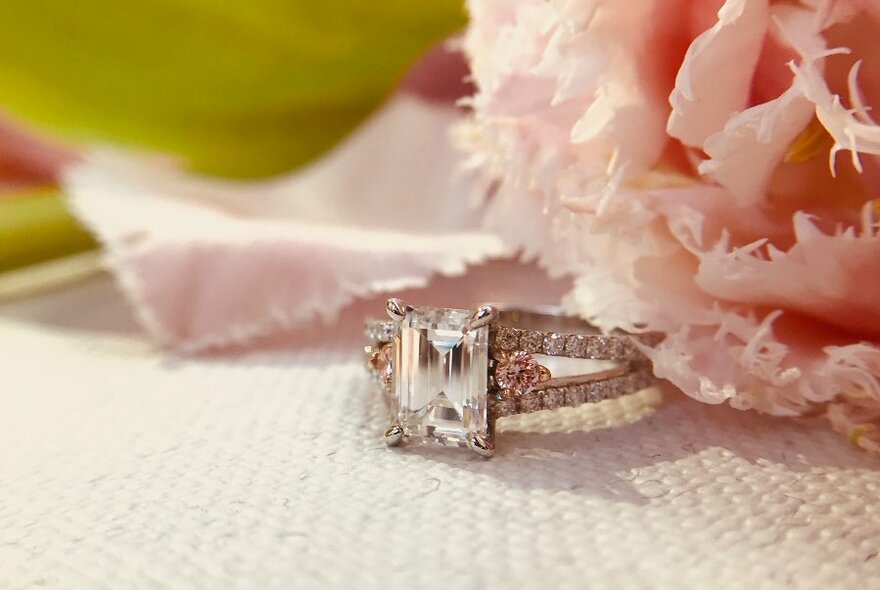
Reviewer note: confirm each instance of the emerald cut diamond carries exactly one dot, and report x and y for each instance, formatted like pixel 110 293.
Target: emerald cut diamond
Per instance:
pixel 440 377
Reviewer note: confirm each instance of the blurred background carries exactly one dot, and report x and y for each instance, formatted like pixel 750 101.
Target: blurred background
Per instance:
pixel 243 90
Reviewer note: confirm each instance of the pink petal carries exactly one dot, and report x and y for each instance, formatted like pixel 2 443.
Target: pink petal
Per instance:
pixel 743 360
pixel 852 129
pixel 832 278
pixel 756 140
pixel 709 88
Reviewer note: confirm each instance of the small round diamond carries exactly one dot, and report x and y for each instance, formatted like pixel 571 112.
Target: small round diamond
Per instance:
pixel 576 346
pixel 532 342
pixel 554 397
pixel 554 344
pixel 381 363
pixel 506 338
pixel 518 372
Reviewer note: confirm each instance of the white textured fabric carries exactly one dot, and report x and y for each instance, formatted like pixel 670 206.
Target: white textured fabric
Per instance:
pixel 125 468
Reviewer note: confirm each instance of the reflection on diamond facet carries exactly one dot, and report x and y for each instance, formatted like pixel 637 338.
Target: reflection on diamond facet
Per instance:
pixel 440 376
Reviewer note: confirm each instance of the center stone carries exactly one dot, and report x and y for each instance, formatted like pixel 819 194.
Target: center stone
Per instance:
pixel 440 376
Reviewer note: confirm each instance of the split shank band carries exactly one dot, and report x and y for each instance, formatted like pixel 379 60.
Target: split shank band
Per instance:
pixel 448 374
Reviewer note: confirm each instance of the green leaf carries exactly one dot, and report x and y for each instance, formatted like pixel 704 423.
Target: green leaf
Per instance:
pixel 237 88
pixel 36 226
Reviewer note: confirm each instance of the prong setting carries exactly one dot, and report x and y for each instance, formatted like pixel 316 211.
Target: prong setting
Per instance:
pixel 481 444
pixel 394 435
pixel 397 309
pixel 441 376
pixel 483 317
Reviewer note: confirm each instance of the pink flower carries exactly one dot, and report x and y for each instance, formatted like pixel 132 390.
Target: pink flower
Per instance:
pixel 708 169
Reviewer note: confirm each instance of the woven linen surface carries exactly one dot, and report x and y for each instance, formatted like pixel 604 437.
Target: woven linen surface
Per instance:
pixel 123 467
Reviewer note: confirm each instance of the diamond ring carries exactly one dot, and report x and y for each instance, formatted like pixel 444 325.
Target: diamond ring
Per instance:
pixel 448 374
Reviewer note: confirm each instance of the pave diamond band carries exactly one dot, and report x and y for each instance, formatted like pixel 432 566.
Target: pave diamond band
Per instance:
pixel 572 394
pixel 448 374
pixel 574 338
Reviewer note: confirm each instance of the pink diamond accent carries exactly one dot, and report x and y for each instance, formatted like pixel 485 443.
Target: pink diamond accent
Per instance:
pixel 380 363
pixel 518 372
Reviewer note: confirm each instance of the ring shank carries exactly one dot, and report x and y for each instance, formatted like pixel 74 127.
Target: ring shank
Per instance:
pixel 549 331
pixel 573 393
pixel 542 318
